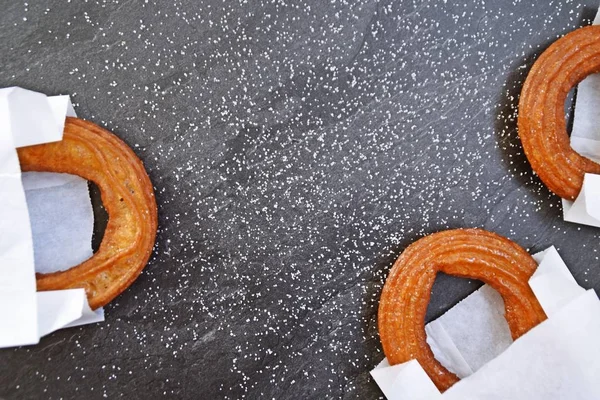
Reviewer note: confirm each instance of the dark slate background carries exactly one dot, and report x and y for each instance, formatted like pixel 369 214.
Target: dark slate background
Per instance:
pixel 296 147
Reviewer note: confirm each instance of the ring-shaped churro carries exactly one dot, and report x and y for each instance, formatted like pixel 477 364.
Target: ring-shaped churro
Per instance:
pixel 541 123
pixel 467 253
pixel 95 154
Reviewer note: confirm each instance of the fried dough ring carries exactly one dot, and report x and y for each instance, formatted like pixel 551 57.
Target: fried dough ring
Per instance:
pixel 541 123
pixel 467 253
pixel 97 155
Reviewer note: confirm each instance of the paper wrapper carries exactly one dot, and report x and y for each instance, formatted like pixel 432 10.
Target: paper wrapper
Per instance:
pixel 558 359
pixel 56 227
pixel 62 219
pixel 585 139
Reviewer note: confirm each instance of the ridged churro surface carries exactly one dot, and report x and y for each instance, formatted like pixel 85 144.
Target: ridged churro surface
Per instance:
pixel 96 154
pixel 467 253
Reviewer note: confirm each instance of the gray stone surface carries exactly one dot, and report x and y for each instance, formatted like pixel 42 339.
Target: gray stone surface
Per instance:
pixel 296 148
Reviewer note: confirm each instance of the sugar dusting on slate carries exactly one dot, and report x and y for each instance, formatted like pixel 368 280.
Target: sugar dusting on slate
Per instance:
pixel 296 148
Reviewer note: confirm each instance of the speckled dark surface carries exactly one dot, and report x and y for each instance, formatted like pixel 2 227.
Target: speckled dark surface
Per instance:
pixel 296 148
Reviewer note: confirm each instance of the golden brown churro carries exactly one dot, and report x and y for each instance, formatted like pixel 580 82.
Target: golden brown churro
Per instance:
pixel 542 125
pixel 97 155
pixel 467 253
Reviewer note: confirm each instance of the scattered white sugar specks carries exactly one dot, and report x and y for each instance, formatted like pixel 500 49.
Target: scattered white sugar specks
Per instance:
pixel 296 148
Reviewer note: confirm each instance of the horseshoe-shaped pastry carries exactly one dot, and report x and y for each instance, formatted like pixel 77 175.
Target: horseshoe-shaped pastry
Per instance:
pixel 541 123
pixel 467 253
pixel 98 155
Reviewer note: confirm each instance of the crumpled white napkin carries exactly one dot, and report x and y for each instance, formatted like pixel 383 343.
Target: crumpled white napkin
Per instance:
pixel 28 118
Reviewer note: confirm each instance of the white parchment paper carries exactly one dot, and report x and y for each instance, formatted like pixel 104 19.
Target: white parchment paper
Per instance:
pixel 464 351
pixel 62 219
pixel 28 118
